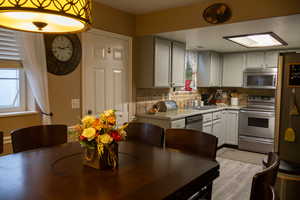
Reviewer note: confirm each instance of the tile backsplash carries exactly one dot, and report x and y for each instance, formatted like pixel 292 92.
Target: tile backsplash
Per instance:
pixel 146 98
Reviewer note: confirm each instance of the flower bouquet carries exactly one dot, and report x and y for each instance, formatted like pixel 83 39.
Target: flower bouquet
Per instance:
pixel 99 137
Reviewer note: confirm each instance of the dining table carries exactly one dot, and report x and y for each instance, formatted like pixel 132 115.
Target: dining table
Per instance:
pixel 144 172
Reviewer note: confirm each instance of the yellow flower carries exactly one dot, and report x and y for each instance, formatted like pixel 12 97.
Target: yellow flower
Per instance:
pixel 105 138
pixel 89 133
pixel 108 113
pixel 88 120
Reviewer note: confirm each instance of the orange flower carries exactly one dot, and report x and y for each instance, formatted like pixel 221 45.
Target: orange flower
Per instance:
pixel 97 125
pixel 111 120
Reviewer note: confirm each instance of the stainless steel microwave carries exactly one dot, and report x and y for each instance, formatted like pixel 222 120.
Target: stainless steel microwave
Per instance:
pixel 260 78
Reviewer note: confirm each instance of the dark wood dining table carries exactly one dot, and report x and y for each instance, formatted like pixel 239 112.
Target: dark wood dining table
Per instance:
pixel 144 172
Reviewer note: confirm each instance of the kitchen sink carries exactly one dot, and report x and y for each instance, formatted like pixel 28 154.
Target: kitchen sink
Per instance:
pixel 206 107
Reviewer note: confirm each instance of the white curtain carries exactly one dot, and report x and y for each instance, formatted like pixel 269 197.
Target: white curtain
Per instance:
pixel 33 55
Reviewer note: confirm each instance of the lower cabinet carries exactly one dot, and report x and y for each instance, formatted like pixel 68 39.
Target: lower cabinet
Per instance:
pixel 217 131
pixel 230 126
pixel 207 127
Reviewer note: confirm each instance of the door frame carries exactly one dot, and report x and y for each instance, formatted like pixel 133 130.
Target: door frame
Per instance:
pixel 128 39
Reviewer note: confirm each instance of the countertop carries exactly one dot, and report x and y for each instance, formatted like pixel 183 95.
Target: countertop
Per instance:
pixel 182 113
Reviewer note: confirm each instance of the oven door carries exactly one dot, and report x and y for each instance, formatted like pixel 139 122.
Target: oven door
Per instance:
pixel 260 80
pixel 257 124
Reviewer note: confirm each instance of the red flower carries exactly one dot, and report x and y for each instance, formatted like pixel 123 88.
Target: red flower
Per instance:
pixel 81 137
pixel 116 136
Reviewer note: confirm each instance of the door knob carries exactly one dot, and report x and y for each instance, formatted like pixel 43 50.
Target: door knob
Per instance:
pixel 89 112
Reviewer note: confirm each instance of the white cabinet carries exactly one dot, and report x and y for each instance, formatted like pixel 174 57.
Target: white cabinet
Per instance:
pixel 209 73
pixel 180 123
pixel 233 67
pixel 230 126
pixel 271 58
pixel 207 127
pixel 154 59
pixel 162 62
pixel 217 131
pixel 255 59
pixel 261 59
pixel 178 64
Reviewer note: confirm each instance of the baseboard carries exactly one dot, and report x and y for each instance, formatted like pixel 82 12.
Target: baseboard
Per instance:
pixel 228 146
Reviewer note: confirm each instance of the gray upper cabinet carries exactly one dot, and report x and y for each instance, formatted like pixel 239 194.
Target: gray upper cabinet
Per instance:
pixel 178 64
pixel 261 59
pixel 255 59
pixel 159 63
pixel 162 62
pixel 209 73
pixel 233 67
pixel 152 63
pixel 271 58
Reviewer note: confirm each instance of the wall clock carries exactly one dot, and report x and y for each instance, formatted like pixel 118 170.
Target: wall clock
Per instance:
pixel 217 13
pixel 63 53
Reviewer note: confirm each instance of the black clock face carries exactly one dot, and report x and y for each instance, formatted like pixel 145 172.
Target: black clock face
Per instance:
pixel 63 53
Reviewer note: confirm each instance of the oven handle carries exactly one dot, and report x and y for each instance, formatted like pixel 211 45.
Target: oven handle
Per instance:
pixel 271 114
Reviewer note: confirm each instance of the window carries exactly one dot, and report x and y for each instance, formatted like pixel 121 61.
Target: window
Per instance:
pixel 12 83
pixel 191 70
pixel 12 90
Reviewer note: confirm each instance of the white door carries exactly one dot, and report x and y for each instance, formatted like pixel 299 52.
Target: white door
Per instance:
pixel 233 67
pixel 105 74
pixel 215 70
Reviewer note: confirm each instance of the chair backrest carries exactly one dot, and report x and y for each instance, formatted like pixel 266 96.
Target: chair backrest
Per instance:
pixel 265 178
pixel 38 136
pixel 146 133
pixel 192 141
pixel 1 142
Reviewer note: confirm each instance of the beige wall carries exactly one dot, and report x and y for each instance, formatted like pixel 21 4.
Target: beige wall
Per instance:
pixel 113 20
pixel 62 89
pixel 189 17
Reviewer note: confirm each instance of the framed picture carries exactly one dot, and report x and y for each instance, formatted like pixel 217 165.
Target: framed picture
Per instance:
pixel 293 75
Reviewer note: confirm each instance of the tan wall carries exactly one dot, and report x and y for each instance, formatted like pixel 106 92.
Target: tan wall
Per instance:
pixel 7 124
pixel 113 20
pixel 62 89
pixel 189 17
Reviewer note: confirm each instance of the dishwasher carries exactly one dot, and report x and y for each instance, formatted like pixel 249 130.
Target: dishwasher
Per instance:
pixel 194 122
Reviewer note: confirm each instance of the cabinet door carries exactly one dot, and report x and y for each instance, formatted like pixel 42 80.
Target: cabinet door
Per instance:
pixel 207 128
pixel 162 63
pixel 231 129
pixel 215 70
pixel 255 59
pixel 233 67
pixel 178 64
pixel 271 58
pixel 217 131
pixel 204 69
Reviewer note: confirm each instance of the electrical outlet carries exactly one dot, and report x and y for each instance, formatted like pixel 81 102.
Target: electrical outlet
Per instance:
pixel 75 103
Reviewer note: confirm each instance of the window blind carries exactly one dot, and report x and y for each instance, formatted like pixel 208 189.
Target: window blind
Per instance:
pixel 9 49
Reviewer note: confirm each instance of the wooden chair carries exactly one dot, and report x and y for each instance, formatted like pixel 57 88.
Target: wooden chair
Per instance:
pixel 263 181
pixel 1 142
pixel 192 141
pixel 146 133
pixel 38 136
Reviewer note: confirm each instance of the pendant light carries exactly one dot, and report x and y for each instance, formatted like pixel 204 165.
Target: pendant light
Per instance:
pixel 46 16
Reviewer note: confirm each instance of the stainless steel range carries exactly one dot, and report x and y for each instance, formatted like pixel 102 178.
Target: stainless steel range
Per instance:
pixel 257 124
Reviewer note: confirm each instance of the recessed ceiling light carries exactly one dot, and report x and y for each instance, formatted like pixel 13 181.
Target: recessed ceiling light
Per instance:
pixel 255 40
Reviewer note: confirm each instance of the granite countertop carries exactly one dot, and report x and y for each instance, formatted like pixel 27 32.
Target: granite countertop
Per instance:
pixel 182 113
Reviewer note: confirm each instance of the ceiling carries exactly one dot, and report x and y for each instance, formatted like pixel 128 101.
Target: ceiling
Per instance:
pixel 146 6
pixel 211 38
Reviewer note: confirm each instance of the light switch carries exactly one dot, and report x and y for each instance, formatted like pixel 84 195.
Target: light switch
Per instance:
pixel 75 103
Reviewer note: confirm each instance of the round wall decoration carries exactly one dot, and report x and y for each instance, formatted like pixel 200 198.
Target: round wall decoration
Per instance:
pixel 217 13
pixel 63 53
